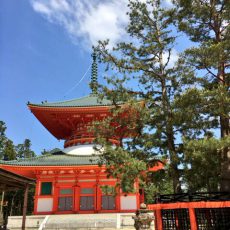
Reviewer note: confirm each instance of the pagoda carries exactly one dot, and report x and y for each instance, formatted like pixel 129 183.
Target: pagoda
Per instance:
pixel 70 180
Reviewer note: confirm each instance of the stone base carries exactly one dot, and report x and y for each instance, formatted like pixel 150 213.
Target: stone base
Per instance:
pixel 74 221
pixel 32 222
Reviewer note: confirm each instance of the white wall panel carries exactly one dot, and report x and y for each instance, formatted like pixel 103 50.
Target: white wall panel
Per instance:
pixel 45 205
pixel 128 202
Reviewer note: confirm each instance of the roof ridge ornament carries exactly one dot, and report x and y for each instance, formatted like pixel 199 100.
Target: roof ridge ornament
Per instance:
pixel 94 83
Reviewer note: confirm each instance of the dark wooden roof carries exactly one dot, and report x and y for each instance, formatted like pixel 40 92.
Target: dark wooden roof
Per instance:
pixel 11 181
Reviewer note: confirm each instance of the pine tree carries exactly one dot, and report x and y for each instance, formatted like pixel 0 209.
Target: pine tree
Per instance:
pixel 24 150
pixel 203 163
pixel 9 152
pixel 47 152
pixel 7 148
pixel 3 138
pixel 159 125
pixel 207 24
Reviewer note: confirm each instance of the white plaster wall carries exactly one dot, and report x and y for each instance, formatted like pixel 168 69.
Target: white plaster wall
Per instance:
pixel 81 150
pixel 45 205
pixel 128 202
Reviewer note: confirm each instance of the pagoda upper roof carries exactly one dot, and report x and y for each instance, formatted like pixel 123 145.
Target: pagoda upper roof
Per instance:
pixel 56 159
pixel 87 101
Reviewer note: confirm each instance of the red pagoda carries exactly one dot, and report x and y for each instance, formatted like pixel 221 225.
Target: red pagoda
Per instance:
pixel 70 180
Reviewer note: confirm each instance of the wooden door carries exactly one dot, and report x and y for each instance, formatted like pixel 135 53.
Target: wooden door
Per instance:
pixel 65 203
pixel 68 203
pixel 108 202
pixel 86 203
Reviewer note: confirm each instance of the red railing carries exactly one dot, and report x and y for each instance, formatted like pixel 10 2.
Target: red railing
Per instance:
pixel 196 215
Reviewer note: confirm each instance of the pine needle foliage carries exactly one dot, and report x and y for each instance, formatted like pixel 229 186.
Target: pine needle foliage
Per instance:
pixel 174 105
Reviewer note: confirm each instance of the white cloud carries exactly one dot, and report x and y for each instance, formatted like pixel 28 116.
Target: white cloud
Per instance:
pixel 41 8
pixel 86 21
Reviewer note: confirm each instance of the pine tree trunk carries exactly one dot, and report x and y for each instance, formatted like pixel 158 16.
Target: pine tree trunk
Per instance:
pixel 169 130
pixel 174 164
pixel 225 131
pixel 225 158
pixel 170 141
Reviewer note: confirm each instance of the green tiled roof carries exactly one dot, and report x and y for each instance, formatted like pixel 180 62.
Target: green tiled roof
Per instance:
pixel 55 160
pixel 91 100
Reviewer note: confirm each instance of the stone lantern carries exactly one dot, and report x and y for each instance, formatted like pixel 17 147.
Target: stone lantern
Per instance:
pixel 143 219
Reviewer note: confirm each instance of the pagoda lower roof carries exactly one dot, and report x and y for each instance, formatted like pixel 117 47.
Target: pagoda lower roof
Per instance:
pixel 87 101
pixel 56 159
pixel 61 118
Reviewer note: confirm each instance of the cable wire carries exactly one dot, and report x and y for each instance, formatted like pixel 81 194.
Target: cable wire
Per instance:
pixel 78 83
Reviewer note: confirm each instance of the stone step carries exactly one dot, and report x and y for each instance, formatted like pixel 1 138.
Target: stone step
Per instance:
pixel 74 221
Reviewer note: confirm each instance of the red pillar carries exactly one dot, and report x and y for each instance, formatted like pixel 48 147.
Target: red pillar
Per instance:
pixel 118 199
pixel 77 199
pixel 158 220
pixel 76 194
pixel 55 195
pixel 137 193
pixel 142 196
pixel 192 217
pixel 98 196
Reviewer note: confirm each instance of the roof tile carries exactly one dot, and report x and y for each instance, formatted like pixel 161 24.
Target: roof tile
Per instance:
pixel 90 100
pixel 55 160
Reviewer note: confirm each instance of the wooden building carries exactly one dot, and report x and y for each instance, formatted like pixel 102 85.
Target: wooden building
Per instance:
pixel 10 181
pixel 70 180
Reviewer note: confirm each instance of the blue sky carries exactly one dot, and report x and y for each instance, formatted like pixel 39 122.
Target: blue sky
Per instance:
pixel 45 49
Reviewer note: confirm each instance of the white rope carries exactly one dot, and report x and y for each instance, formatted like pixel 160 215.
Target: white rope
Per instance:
pixel 70 90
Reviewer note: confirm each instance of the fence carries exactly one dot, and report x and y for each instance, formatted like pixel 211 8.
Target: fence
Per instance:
pixel 192 211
